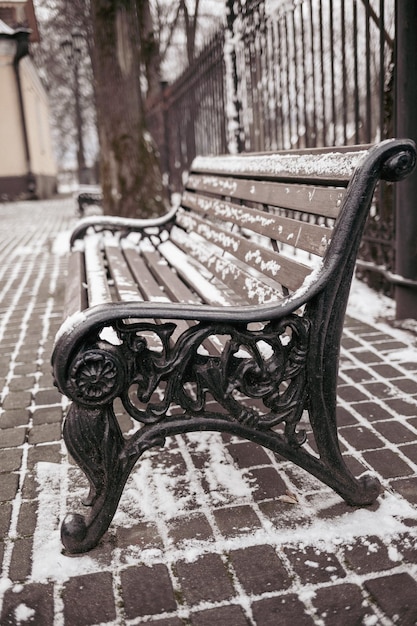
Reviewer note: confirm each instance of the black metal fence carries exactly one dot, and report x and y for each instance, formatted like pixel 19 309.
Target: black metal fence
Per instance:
pixel 310 73
pixel 189 117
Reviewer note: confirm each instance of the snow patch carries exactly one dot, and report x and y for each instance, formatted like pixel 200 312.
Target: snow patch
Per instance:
pixel 49 562
pixel 61 243
pixel 368 305
pixel 23 613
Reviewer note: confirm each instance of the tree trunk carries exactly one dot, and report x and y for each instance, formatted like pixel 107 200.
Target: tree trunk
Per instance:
pixel 130 174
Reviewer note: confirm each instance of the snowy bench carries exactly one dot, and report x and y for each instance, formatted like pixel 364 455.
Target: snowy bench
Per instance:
pixel 88 195
pixel 224 315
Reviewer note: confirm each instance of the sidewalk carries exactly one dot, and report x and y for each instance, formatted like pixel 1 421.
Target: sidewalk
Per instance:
pixel 206 532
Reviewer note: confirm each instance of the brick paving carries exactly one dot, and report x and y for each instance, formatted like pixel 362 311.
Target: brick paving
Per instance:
pixel 203 534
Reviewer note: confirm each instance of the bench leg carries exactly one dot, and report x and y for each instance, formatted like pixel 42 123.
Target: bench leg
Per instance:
pixel 360 491
pixel 94 439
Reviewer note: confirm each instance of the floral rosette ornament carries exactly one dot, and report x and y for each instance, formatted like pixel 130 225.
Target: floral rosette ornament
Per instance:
pixel 95 378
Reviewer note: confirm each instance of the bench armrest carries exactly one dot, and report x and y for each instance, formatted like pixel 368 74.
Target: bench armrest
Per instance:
pixel 114 224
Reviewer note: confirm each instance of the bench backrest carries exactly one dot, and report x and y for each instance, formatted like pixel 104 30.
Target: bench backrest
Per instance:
pixel 260 222
pixel 250 229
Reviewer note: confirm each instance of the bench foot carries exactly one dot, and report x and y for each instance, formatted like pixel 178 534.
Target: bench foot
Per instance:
pixel 94 439
pixel 369 488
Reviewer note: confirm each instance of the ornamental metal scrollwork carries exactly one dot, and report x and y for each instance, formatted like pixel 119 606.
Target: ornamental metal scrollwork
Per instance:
pixel 95 377
pixel 267 364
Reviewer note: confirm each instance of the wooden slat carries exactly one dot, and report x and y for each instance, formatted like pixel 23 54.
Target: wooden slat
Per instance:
pixel 180 292
pixel 174 287
pixel 177 282
pixel 164 275
pixel 129 270
pixel 308 199
pixel 126 287
pixel 125 284
pixel 285 271
pixel 75 292
pixel 308 237
pixel 208 291
pixel 150 288
pixel 321 167
pixel 96 275
pixel 230 271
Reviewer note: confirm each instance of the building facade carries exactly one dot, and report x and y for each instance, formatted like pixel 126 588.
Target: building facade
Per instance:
pixel 27 165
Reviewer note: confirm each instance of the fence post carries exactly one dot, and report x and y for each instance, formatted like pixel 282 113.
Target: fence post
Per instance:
pixel 406 126
pixel 233 104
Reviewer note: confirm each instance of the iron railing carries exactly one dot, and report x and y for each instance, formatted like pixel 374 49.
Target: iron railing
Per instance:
pixel 310 73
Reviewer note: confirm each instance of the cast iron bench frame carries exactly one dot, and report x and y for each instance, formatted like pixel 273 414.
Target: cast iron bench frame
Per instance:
pixel 299 374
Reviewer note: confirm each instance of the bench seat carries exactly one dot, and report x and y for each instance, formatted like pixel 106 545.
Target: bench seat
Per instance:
pixel 226 314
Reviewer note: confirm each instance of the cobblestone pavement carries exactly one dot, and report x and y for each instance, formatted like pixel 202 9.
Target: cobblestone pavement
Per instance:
pixel 207 531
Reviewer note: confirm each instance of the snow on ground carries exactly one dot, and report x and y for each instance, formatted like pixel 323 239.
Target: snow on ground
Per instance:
pixel 377 309
pixel 61 243
pixel 369 306
pixel 49 563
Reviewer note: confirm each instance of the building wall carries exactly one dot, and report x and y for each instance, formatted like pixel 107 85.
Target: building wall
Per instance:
pixel 12 155
pixel 38 127
pixel 14 167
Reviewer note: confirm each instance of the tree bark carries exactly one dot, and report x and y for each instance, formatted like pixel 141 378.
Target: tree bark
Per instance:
pixel 130 174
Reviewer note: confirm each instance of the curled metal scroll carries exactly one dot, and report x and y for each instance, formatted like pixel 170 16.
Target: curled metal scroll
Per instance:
pixel 266 364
